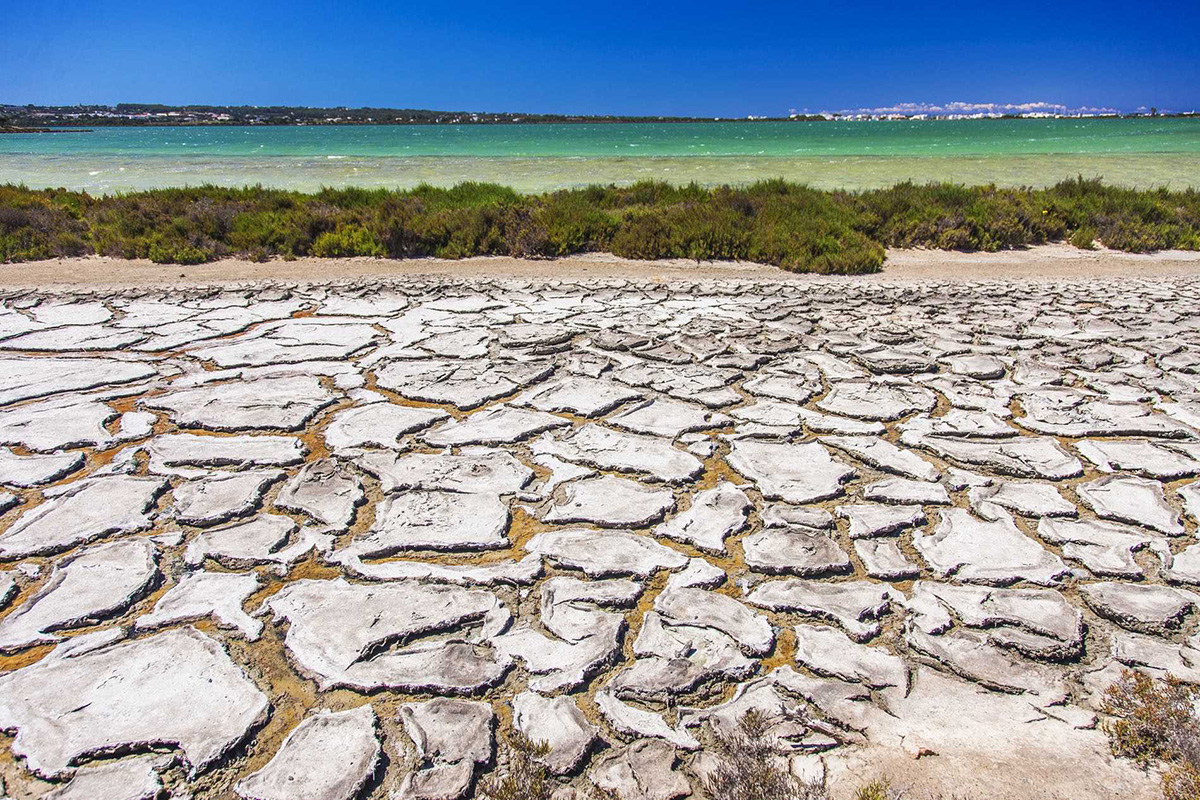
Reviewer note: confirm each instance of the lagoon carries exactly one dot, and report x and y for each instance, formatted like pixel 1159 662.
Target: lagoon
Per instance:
pixel 1140 152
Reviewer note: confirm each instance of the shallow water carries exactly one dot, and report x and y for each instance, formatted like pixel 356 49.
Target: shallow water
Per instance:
pixel 1134 152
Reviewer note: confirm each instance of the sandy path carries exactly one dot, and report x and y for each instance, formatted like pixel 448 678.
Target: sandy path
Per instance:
pixel 1049 262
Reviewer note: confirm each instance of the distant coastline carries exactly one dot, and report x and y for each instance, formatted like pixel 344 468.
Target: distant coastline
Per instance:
pixel 14 129
pixel 42 118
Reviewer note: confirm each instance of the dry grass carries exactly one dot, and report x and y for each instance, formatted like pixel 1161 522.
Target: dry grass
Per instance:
pixel 1156 723
pixel 749 767
pixel 521 775
pixel 878 789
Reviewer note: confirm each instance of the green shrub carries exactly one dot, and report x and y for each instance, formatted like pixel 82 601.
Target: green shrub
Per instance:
pixel 352 240
pixel 643 235
pixel 773 222
pixel 564 223
pixel 877 789
pixel 1084 238
pixel 173 253
pixel 38 225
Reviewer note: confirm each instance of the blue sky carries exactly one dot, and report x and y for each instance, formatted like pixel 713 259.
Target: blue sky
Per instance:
pixel 697 58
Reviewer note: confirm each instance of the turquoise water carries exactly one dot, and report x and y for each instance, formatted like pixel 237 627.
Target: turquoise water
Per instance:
pixel 1139 152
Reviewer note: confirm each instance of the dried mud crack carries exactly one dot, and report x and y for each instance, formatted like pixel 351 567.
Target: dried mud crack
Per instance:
pixel 334 541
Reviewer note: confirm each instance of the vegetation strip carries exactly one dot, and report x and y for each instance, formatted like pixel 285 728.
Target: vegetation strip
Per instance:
pixel 772 222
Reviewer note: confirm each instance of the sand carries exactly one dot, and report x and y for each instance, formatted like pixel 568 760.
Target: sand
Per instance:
pixel 1047 262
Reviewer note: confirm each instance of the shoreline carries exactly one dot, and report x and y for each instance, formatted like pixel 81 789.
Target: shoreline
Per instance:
pixel 45 130
pixel 1052 262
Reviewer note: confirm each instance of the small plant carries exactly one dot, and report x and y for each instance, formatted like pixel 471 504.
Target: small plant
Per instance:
pixel 749 767
pixel 168 253
pixel 878 789
pixel 1156 723
pixel 353 240
pixel 1084 238
pixel 523 776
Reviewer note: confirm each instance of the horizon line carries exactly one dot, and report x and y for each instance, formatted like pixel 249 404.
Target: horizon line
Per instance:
pixel 902 110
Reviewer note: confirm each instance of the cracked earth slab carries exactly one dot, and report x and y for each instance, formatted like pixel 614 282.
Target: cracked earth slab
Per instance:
pixel 258 540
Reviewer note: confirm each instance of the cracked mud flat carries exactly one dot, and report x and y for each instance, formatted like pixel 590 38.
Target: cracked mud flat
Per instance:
pixel 329 541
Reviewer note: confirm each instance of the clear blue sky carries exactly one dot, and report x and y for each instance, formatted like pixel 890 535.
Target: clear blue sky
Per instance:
pixel 646 57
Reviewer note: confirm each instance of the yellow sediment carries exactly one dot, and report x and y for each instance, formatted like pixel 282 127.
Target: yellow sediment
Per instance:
pixel 716 469
pixel 313 437
pixel 291 695
pixel 524 526
pixel 372 383
pixel 25 657
pixel 634 620
pixel 784 653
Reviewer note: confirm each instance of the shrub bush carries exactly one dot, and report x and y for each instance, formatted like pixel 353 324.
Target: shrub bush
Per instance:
pixel 352 240
pixel 521 774
pixel 174 253
pixel 773 222
pixel 1084 238
pixel 38 225
pixel 1156 723
pixel 748 766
